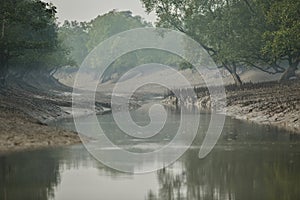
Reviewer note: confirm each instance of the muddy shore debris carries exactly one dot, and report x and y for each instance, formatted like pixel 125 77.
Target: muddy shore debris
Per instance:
pixel 271 103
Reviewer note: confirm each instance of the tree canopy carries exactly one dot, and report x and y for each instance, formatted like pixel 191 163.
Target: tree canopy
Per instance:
pixel 74 37
pixel 111 23
pixel 29 37
pixel 283 35
pixel 82 38
pixel 236 32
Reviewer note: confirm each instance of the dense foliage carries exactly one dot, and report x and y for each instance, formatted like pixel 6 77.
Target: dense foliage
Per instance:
pixel 28 39
pixel 82 38
pixel 283 35
pixel 236 33
pixel 249 33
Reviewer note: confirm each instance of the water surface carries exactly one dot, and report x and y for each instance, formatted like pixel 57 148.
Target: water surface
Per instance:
pixel 250 161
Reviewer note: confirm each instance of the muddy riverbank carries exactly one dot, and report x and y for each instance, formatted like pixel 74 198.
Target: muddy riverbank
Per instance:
pixel 272 103
pixel 25 111
pixel 21 132
pixel 23 119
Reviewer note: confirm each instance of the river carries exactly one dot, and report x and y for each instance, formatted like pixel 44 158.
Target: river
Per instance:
pixel 250 161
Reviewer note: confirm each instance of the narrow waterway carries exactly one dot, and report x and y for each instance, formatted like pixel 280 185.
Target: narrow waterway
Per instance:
pixel 250 161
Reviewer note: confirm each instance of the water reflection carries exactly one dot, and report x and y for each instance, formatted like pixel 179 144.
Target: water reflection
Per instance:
pixel 28 176
pixel 36 175
pixel 249 162
pixel 253 173
pixel 261 172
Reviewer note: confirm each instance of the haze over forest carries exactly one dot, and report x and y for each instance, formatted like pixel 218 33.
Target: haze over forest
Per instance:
pixel 231 132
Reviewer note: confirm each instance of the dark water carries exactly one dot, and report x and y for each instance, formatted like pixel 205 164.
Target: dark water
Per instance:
pixel 249 162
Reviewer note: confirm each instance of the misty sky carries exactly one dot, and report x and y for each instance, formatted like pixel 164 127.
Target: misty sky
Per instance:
pixel 85 10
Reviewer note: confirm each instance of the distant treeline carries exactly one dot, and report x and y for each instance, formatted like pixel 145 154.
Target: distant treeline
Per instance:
pixel 261 34
pixel 29 38
pixel 82 37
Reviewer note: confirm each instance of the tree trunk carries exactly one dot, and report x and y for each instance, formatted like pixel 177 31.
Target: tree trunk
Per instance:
pixel 290 71
pixel 4 56
pixel 3 29
pixel 3 77
pixel 237 79
pixel 232 70
pixel 3 70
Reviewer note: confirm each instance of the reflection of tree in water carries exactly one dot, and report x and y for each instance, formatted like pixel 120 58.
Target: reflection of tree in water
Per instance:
pixel 35 175
pixel 28 176
pixel 243 174
pixel 171 185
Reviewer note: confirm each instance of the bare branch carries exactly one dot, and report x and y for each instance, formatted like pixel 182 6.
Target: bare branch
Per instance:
pixel 249 6
pixel 257 67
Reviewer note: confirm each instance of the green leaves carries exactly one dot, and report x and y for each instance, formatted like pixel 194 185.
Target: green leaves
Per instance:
pixel 74 37
pixel 82 38
pixel 110 24
pixel 240 32
pixel 29 35
pixel 283 38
